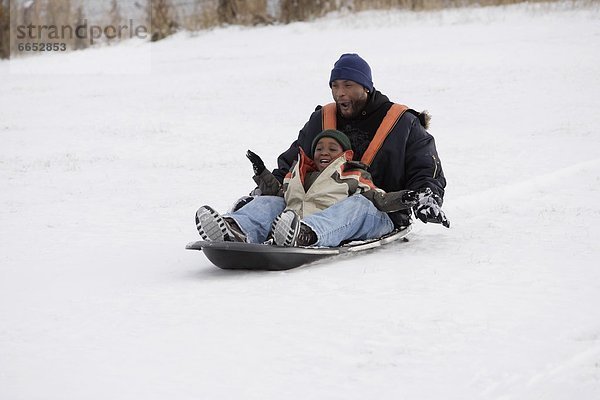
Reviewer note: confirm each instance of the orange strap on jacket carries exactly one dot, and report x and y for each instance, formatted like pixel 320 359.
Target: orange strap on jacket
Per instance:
pixel 329 112
pixel 387 125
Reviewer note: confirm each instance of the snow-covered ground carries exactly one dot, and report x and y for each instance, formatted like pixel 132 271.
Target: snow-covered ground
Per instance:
pixel 101 174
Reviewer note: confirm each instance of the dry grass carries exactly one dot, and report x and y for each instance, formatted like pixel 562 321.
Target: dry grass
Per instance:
pixel 164 17
pixel 252 12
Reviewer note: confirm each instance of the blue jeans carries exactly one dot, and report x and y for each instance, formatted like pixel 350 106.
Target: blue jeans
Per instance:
pixel 255 218
pixel 354 218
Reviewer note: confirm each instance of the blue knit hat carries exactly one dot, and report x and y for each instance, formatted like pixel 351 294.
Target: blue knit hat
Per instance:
pixel 352 67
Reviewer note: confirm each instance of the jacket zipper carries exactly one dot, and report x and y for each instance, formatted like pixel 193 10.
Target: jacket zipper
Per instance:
pixel 435 164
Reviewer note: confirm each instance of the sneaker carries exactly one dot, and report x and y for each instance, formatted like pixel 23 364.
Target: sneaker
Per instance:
pixel 285 228
pixel 306 236
pixel 236 232
pixel 213 227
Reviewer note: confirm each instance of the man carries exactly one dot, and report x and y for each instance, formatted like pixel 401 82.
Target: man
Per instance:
pixel 389 139
pixel 403 158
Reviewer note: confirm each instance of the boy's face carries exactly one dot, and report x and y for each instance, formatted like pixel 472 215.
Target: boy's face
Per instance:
pixel 326 150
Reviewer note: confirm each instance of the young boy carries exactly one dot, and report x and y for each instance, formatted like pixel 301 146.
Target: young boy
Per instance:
pixel 311 186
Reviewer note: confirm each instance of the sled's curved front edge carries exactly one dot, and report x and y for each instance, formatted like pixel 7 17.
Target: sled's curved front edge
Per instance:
pixel 235 255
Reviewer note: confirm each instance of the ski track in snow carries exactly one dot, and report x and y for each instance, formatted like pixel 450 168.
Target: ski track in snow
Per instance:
pixel 103 166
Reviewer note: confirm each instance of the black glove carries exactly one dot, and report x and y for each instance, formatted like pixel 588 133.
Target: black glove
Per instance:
pixel 257 162
pixel 428 209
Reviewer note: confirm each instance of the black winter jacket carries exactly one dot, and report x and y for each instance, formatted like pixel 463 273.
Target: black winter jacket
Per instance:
pixel 407 159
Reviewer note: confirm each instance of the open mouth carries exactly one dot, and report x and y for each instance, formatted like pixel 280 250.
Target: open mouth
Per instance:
pixel 345 106
pixel 324 162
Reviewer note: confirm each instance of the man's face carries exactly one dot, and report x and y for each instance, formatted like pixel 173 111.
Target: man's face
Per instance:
pixel 349 96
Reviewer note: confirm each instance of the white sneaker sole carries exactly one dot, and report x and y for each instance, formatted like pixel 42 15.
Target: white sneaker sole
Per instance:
pixel 210 225
pixel 285 228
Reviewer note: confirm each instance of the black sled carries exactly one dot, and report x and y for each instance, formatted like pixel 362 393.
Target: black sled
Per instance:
pixel 254 256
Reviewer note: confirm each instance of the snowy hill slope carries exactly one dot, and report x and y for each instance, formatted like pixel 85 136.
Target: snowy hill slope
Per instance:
pixel 101 174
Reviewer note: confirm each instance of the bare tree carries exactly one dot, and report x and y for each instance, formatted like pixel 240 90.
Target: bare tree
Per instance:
pixel 31 13
pixel 303 10
pixel 80 43
pixel 251 12
pixel 4 29
pixel 115 19
pixel 163 22
pixel 227 11
pixel 115 13
pixel 57 14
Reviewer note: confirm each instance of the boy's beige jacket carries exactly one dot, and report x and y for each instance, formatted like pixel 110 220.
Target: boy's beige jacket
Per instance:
pixel 307 191
pixel 341 178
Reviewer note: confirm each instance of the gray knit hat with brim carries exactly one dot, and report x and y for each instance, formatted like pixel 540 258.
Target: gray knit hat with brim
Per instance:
pixel 340 137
